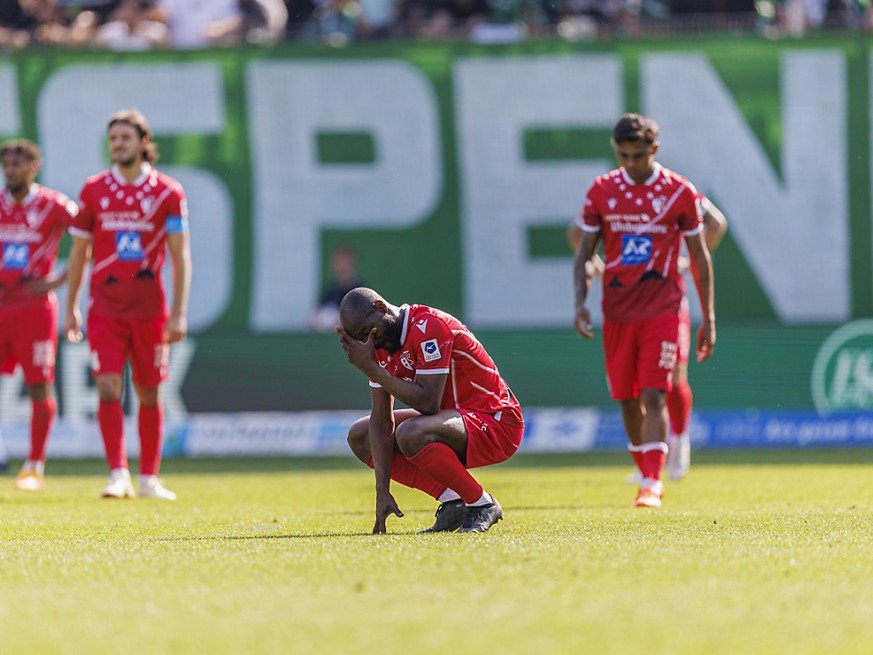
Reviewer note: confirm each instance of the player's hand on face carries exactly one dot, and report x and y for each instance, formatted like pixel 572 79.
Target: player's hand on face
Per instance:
pixel 583 322
pixel 705 341
pixel 385 506
pixel 73 326
pixel 360 355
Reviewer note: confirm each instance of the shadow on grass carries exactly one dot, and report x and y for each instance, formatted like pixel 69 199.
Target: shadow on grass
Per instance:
pixel 238 465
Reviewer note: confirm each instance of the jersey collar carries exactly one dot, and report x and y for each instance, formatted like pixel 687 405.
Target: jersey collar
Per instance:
pixel 648 182
pixel 404 309
pixel 31 194
pixel 145 171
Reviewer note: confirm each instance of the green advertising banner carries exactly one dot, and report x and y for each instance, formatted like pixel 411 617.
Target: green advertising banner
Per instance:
pixel 454 170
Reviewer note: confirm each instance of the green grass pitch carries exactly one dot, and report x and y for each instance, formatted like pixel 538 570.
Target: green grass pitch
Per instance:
pixel 755 552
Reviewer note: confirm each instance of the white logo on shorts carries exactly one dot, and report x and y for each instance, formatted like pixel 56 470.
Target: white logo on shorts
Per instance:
pixel 669 353
pixel 43 354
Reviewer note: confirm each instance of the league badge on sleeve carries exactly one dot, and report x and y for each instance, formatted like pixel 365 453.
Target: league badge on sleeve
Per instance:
pixel 431 350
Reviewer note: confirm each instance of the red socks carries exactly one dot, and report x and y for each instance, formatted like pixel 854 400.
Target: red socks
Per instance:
pixel 40 425
pixel 679 403
pixel 111 420
pixel 442 464
pixel 653 455
pixel 636 454
pixel 151 428
pixel 409 475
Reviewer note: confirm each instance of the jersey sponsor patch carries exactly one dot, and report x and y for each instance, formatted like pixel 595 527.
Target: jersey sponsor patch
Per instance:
pixel 16 256
pixel 431 350
pixel 635 249
pixel 128 246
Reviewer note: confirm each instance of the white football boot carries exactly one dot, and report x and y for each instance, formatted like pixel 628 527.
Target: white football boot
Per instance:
pixel 151 486
pixel 119 486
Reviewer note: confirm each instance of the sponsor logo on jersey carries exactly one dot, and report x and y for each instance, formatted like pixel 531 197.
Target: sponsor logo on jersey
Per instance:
pixel 431 350
pixel 635 249
pixel 422 325
pixel 16 256
pixel 128 246
pixel 842 374
pixel 19 234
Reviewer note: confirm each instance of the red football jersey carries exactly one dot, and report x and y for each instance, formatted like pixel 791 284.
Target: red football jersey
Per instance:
pixel 436 342
pixel 128 223
pixel 30 232
pixel 641 227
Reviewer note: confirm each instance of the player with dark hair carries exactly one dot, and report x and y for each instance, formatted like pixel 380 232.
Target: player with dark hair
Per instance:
pixel 640 211
pixel 131 215
pixel 33 219
pixel 680 398
pixel 461 413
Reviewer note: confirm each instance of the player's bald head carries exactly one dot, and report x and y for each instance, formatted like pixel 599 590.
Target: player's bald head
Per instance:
pixel 357 306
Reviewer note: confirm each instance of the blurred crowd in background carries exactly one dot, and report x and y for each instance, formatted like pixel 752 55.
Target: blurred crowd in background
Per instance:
pixel 192 24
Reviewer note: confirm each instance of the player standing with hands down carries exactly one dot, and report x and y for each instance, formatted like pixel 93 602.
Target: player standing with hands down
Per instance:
pixel 680 398
pixel 462 414
pixel 130 216
pixel 640 211
pixel 33 220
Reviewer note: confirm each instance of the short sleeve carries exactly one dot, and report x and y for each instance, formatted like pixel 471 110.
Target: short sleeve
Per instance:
pixel 82 223
pixel 691 218
pixel 590 219
pixel 433 348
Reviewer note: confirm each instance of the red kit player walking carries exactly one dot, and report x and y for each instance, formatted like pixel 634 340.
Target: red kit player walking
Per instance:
pixel 640 211
pixel 462 414
pixel 33 220
pixel 130 216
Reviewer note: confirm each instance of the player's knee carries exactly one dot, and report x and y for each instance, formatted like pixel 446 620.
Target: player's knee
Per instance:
pixel 412 436
pixel 359 439
pixel 109 388
pixel 654 399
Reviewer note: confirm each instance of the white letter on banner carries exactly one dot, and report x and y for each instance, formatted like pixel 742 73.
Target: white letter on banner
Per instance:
pixel 504 195
pixel 10 117
pixel 781 226
pixel 176 98
pixel 296 197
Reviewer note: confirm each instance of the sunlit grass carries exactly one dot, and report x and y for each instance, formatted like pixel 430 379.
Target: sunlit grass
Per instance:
pixel 753 553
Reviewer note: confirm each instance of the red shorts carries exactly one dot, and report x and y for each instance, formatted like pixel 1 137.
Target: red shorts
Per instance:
pixel 640 355
pixel 29 337
pixel 114 340
pixel 684 330
pixel 492 438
